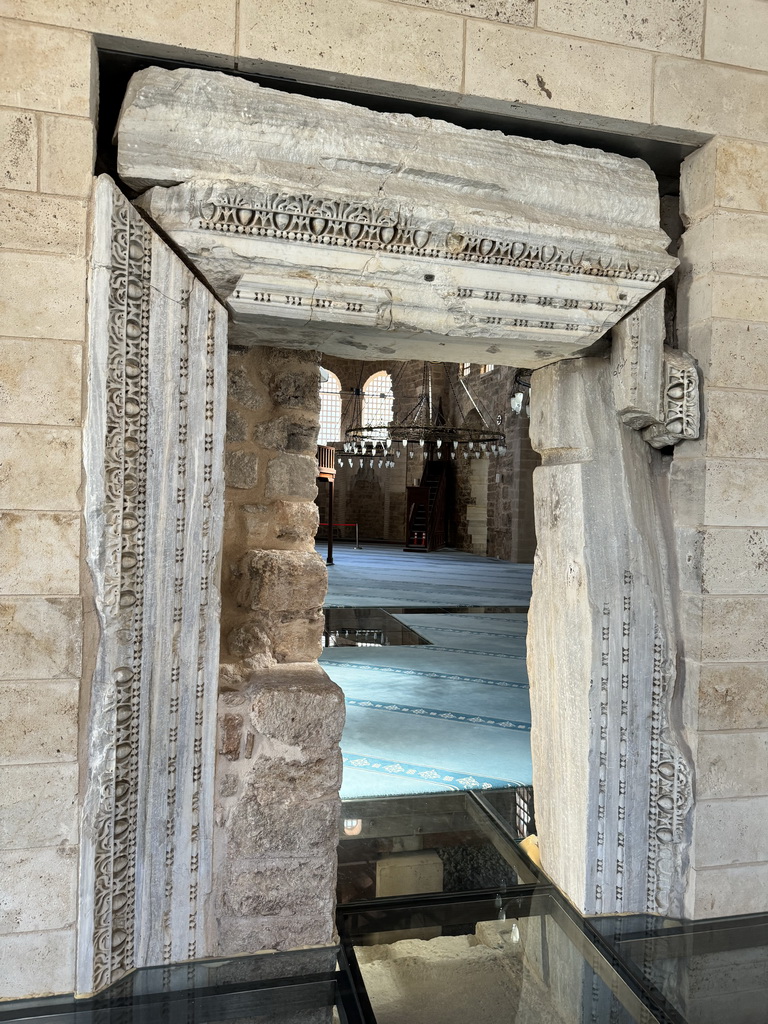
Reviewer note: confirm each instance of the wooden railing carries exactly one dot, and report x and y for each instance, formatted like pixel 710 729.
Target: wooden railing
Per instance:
pixel 437 511
pixel 326 461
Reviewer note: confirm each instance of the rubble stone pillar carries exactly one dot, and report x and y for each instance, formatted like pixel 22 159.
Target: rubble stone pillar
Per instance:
pixel 280 717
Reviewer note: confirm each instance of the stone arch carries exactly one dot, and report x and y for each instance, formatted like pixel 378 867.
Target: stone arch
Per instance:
pixel 378 399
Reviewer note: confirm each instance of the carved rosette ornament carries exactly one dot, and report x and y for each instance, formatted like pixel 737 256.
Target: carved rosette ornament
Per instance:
pixel 680 402
pixel 154 441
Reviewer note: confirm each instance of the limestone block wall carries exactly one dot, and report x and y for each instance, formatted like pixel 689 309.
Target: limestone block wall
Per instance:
pixel 46 157
pixel 511 532
pixel 720 485
pixel 280 717
pixel 660 69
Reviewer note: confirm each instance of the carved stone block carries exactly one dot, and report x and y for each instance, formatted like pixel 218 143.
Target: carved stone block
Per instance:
pixel 655 388
pixel 277 851
pixel 680 401
pixel 280 580
pixel 637 363
pixel 324 225
pixel 154 507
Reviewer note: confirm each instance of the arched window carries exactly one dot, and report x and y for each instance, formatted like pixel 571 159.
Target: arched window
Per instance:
pixel 330 410
pixel 377 403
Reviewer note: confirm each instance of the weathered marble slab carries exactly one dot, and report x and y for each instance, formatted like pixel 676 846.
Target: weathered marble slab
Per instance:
pixel 637 363
pixel 612 772
pixel 154 506
pixel 325 225
pixel 655 387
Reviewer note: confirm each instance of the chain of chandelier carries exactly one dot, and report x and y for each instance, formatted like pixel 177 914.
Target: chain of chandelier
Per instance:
pixel 423 433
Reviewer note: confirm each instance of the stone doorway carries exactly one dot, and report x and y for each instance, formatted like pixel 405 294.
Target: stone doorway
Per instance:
pixel 267 839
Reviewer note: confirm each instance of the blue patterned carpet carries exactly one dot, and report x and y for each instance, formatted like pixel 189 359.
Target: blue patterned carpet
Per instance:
pixel 385 576
pixel 453 715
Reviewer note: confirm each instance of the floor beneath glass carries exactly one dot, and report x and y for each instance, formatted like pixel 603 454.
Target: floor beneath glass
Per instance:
pixel 447 920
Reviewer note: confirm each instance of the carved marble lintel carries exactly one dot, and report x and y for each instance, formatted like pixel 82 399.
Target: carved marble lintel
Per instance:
pixel 349 272
pixel 485 244
pixel 302 298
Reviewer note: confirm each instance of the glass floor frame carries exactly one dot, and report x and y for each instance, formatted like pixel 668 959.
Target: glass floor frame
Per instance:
pixel 592 970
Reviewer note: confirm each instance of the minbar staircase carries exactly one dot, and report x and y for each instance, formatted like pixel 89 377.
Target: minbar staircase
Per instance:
pixel 326 470
pixel 426 509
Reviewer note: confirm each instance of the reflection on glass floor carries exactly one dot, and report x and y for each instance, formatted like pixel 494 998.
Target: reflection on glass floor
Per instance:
pixel 367 627
pixel 709 971
pixel 274 988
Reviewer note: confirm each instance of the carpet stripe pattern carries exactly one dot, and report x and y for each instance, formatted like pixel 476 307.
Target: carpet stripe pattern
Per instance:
pixel 440 777
pixel 351 666
pixel 447 716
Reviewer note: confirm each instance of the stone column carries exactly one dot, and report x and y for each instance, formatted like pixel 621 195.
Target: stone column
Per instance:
pixel 154 509
pixel 721 515
pixel 280 717
pixel 611 774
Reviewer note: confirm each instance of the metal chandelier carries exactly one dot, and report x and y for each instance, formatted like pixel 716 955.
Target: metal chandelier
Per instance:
pixel 424 431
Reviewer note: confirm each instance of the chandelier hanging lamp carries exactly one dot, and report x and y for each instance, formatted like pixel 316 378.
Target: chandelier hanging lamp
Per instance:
pixel 424 432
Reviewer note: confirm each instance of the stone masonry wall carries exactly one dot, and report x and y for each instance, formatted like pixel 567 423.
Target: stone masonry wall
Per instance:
pixel 511 533
pixel 720 490
pixel 46 161
pixel 280 717
pixel 659 69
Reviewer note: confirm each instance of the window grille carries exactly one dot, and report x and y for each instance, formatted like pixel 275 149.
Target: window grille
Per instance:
pixel 465 369
pixel 330 410
pixel 378 400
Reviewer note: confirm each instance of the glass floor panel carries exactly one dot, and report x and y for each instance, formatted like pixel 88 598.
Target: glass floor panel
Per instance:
pixel 378 627
pixel 519 956
pixel 706 971
pixel 503 946
pixel 296 987
pixel 440 842
pixel 366 627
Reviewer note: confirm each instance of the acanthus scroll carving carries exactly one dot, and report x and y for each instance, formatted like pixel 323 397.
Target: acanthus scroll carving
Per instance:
pixel 670 794
pixel 125 464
